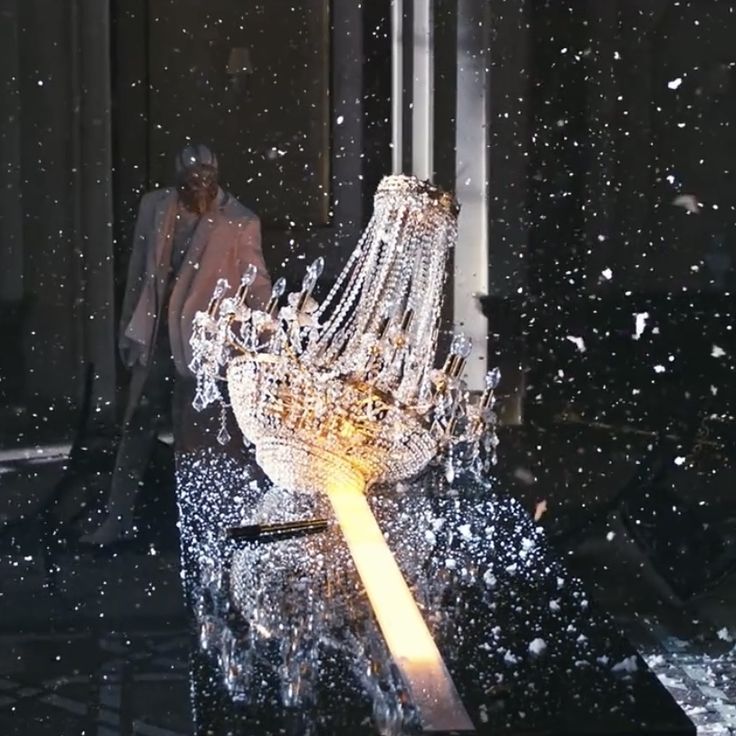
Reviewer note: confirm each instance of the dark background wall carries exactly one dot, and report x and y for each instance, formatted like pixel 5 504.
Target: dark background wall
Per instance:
pixel 280 91
pixel 632 104
pixel 56 215
pixel 96 99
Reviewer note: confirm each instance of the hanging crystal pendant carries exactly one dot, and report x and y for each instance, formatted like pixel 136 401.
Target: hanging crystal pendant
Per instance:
pixel 449 471
pixel 198 402
pixel 223 436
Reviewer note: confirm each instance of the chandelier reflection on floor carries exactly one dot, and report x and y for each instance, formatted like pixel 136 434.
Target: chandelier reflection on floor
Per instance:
pixel 347 389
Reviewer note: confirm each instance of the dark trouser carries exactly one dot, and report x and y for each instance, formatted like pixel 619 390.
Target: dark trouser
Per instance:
pixel 159 394
pixel 156 394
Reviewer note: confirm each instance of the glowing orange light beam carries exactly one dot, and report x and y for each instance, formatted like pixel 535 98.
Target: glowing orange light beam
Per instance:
pixel 411 645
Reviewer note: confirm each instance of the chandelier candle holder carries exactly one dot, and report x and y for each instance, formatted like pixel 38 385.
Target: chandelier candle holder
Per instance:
pixel 342 395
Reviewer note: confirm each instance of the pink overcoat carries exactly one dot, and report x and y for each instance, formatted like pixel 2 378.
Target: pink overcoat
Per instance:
pixel 224 243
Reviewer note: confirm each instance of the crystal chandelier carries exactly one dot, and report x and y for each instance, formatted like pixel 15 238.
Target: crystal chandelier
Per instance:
pixel 344 394
pixel 347 390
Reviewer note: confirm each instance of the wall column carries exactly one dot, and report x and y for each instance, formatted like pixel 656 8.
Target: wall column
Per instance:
pixel 470 266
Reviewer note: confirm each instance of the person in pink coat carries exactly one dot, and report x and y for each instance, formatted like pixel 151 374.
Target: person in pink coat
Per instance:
pixel 186 238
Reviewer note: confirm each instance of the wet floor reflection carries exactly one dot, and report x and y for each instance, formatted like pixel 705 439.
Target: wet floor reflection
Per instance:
pixel 527 649
pixel 132 642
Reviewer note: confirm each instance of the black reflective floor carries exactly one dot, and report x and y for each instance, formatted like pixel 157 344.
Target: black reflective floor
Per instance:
pixel 93 644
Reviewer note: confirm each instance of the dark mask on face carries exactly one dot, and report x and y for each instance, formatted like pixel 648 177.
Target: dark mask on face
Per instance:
pixel 198 188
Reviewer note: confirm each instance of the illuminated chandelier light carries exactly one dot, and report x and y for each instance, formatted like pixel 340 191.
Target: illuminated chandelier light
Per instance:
pixel 341 395
pixel 348 388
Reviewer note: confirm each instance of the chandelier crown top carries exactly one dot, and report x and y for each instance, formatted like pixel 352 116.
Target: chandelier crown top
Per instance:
pixel 407 185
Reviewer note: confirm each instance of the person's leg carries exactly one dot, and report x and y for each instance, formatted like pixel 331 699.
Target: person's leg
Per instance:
pixel 184 418
pixel 132 459
pixel 136 446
